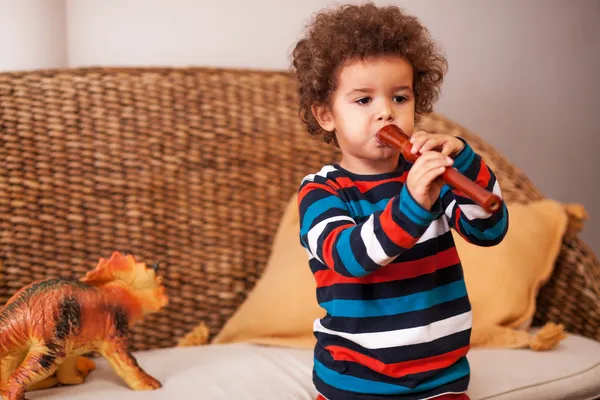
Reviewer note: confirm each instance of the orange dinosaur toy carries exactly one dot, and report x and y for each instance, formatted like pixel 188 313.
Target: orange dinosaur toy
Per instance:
pixel 48 324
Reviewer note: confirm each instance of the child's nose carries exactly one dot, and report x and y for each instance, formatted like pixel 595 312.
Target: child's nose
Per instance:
pixel 385 112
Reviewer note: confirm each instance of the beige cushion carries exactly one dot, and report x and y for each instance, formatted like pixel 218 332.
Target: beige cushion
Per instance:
pixel 246 371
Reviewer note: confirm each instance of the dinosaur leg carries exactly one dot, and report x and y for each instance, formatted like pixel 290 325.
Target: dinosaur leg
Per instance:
pixel 38 365
pixel 126 366
pixel 45 384
pixel 8 365
pixel 74 370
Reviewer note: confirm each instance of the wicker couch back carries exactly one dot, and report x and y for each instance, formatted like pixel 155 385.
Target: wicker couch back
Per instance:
pixel 190 167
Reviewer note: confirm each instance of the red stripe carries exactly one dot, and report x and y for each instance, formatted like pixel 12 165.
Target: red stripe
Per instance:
pixel 483 177
pixel 452 396
pixel 394 271
pixel 313 186
pixel 393 231
pixel 365 186
pixel 319 397
pixel 457 222
pixel 329 242
pixel 400 369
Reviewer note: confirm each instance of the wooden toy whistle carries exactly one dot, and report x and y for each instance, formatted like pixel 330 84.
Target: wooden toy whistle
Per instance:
pixel 392 136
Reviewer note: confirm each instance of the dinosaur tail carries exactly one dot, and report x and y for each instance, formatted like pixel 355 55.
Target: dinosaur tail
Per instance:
pixel 4 332
pixel 10 329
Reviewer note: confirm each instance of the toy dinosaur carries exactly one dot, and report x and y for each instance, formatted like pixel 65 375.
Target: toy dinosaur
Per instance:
pixel 48 324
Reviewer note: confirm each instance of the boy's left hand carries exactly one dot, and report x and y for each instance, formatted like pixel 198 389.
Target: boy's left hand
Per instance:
pixel 448 145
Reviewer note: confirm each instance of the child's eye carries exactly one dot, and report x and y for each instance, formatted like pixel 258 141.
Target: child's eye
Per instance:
pixel 400 99
pixel 363 101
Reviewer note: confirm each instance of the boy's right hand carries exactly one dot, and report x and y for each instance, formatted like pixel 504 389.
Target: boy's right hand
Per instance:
pixel 423 181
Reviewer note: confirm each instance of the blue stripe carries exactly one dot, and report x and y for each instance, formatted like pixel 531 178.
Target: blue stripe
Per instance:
pixel 319 207
pixel 489 234
pixel 464 158
pixel 360 385
pixel 364 208
pixel 344 250
pixel 413 210
pixel 395 305
pixel 445 189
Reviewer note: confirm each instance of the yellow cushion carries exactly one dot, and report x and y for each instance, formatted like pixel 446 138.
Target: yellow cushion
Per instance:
pixel 502 281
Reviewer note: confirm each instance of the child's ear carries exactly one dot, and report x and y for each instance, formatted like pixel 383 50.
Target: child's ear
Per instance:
pixel 323 116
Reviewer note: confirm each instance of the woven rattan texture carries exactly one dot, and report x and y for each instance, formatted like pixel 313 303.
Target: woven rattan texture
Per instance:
pixel 191 167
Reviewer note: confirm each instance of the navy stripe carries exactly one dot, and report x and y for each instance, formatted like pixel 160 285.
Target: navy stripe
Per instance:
pixel 490 233
pixel 398 354
pixel 401 321
pixel 465 158
pixel 373 386
pixel 386 243
pixel 414 210
pixel 317 212
pixel 341 172
pixel 410 381
pixel 430 247
pixel 344 252
pixel 316 266
pixel 331 393
pixel 404 221
pixel 384 190
pixel 358 246
pixel 362 209
pixel 385 290
pixel 396 305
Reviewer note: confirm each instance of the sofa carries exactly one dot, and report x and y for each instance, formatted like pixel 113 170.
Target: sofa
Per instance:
pixel 193 167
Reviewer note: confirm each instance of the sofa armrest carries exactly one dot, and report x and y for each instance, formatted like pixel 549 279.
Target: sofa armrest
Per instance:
pixel 572 295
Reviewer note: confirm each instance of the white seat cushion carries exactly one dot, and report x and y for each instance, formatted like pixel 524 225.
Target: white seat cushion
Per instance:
pixel 241 371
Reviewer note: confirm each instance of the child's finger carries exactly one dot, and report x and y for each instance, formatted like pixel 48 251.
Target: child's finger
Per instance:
pixel 432 156
pixel 416 135
pixel 431 144
pixel 431 163
pixel 447 149
pixel 418 143
pixel 433 174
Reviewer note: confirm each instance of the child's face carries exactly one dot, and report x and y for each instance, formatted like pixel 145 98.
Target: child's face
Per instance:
pixel 370 95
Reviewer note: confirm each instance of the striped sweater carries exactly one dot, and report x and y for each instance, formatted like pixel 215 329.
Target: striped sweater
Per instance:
pixel 398 317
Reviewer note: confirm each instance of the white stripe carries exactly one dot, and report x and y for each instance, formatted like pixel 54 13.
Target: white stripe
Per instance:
pixel 374 249
pixel 473 211
pixel 435 229
pixel 323 173
pixel 449 209
pixel 317 230
pixel 404 337
pixel 496 190
pixel 310 256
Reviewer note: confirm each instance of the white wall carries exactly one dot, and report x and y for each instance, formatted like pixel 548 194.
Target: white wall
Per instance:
pixel 525 75
pixel 32 34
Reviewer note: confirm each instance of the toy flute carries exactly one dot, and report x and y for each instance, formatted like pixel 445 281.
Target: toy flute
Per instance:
pixel 393 137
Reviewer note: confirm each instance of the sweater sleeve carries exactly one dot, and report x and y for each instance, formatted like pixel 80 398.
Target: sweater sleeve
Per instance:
pixel 468 219
pixel 331 235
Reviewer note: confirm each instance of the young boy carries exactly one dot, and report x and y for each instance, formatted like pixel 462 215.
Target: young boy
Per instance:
pixel 376 228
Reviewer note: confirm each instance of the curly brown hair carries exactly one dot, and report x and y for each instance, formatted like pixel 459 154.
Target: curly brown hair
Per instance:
pixel 359 32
